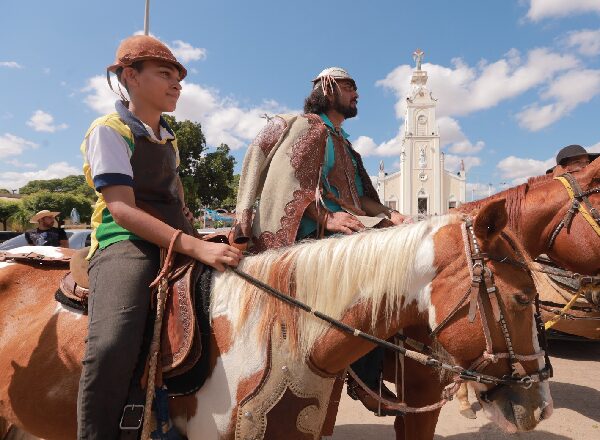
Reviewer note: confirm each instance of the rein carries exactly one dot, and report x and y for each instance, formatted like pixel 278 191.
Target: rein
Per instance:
pixel 482 280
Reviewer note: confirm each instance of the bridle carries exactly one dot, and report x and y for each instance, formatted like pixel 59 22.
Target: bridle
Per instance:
pixel 482 286
pixel 580 202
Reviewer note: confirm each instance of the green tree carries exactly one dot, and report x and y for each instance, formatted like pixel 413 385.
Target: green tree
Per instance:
pixel 4 191
pixel 206 176
pixel 8 209
pixel 191 143
pixel 75 184
pixel 216 174
pixel 60 202
pixel 231 201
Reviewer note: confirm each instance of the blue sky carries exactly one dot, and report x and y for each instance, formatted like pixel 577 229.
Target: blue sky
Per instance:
pixel 515 80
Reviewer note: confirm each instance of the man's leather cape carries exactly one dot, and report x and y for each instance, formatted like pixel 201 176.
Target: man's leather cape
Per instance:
pixel 282 169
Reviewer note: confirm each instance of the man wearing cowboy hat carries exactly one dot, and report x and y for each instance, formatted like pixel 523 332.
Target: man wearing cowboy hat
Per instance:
pixel 46 234
pixel 572 158
pixel 311 183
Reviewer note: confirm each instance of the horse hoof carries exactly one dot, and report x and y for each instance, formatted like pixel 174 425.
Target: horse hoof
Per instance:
pixel 468 413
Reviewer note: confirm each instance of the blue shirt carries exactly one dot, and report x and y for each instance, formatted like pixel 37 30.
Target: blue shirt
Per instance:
pixel 308 225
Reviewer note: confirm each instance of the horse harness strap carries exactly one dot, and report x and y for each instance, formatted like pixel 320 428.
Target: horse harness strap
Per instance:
pixel 483 286
pixel 580 202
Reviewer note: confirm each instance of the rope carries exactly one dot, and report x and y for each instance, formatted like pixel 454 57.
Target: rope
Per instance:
pixel 549 324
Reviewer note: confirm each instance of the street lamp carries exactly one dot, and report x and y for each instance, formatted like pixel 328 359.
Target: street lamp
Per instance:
pixel 147 18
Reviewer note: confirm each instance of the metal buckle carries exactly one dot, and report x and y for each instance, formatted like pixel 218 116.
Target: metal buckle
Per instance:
pixel 131 417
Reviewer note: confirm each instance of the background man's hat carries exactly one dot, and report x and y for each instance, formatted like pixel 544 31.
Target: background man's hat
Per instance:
pixel 43 213
pixel 141 48
pixel 573 151
pixel 336 73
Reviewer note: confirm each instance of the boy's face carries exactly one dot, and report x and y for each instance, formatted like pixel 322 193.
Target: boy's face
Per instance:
pixel 157 84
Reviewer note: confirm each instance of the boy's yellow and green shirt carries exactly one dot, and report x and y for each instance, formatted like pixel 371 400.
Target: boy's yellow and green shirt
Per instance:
pixel 107 149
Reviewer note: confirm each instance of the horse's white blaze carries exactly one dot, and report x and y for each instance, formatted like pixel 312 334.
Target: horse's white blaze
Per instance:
pixel 48 251
pixel 548 404
pixel 542 412
pixel 218 396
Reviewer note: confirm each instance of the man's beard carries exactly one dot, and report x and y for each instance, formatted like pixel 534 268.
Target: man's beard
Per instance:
pixel 345 110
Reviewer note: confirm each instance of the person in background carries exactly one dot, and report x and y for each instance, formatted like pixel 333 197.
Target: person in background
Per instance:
pixel 46 234
pixel 570 159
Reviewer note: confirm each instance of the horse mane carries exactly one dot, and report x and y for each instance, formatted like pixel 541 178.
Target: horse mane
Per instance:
pixel 515 199
pixel 330 275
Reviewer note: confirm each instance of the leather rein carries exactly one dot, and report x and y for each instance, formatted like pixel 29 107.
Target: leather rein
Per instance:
pixel 482 286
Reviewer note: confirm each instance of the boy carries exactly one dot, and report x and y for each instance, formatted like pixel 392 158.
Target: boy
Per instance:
pixel 131 159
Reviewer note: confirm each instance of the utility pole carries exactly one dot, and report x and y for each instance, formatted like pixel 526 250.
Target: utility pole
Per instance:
pixel 147 18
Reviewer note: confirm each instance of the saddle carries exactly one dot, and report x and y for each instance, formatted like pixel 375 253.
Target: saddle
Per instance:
pixel 181 345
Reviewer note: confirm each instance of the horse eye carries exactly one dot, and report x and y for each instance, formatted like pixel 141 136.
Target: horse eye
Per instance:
pixel 521 299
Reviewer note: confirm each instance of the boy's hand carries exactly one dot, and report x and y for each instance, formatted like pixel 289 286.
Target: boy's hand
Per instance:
pixel 218 255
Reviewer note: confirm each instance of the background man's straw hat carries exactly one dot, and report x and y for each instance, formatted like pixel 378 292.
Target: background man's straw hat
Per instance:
pixel 43 213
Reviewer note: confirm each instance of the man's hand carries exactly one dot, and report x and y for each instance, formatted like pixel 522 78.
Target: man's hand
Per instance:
pixel 398 219
pixel 343 222
pixel 218 255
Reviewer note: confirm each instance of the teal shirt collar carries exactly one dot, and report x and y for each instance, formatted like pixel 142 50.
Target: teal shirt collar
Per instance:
pixel 328 122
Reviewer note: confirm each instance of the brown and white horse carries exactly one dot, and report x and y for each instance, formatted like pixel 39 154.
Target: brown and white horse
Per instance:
pixel 535 209
pixel 379 281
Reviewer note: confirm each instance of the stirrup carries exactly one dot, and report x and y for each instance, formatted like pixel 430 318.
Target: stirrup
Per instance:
pixel 132 418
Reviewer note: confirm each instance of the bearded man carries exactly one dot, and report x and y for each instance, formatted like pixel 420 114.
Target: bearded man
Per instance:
pixel 309 183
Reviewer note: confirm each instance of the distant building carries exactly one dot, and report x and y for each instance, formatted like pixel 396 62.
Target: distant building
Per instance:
pixel 422 186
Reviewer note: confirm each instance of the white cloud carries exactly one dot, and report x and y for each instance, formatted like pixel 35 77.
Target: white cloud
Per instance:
pixel 13 179
pixel 466 147
pixel 518 169
pixel 11 145
pixel 100 97
pixel 18 164
pixel 185 52
pixel 463 89
pixel 594 148
pixel 42 121
pixel 10 64
pixel 223 119
pixel 540 9
pixel 568 91
pixel 586 41
pixel 452 162
pixel 364 145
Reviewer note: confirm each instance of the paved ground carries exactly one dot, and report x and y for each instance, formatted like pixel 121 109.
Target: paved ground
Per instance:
pixel 575 389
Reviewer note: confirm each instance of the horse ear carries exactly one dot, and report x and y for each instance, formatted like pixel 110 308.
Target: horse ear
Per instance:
pixel 491 220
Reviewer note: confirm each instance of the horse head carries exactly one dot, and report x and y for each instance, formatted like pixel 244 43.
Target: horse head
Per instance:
pixel 574 231
pixel 491 329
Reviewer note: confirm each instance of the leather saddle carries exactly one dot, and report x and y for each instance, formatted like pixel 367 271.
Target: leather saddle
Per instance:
pixel 181 345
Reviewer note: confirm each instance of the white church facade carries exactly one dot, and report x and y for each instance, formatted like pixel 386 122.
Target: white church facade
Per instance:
pixel 422 186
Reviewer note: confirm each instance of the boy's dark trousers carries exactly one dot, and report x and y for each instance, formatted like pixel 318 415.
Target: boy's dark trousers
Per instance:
pixel 118 307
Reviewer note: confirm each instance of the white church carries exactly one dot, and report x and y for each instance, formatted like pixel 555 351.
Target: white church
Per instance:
pixel 422 186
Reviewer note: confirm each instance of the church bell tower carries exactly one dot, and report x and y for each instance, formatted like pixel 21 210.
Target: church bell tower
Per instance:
pixel 421 162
